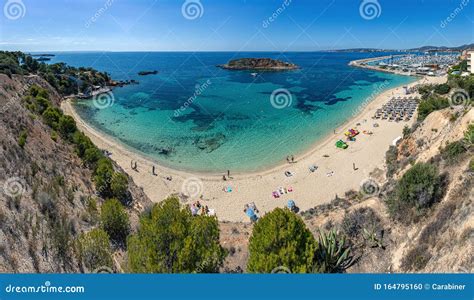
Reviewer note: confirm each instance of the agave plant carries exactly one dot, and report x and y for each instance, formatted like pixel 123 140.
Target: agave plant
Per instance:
pixel 370 235
pixel 333 253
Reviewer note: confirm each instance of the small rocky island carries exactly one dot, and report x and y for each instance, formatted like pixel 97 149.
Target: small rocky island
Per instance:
pixel 144 73
pixel 260 64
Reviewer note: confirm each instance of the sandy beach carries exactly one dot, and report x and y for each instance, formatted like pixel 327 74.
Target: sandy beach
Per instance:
pixel 335 174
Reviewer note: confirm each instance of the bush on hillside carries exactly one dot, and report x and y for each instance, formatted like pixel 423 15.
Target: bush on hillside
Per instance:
pixel 452 151
pixel 94 249
pixel 119 186
pixel 114 220
pixel 171 240
pixel 281 239
pixel 431 104
pixel 418 189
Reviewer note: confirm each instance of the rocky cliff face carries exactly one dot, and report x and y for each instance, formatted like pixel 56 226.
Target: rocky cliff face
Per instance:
pixel 47 197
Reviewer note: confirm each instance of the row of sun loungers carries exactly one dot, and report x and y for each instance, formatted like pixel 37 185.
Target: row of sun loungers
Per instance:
pixel 397 109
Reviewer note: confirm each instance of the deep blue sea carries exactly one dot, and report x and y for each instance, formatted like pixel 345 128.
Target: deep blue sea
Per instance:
pixel 195 116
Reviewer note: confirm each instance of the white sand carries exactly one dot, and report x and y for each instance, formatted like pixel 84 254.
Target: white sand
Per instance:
pixel 309 189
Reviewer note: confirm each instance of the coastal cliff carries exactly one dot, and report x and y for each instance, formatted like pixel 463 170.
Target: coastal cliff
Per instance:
pixel 48 197
pixel 258 64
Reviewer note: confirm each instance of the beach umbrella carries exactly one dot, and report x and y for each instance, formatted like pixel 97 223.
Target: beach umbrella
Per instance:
pixel 250 213
pixel 291 204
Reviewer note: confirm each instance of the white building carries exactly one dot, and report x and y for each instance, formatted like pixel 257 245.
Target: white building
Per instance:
pixel 470 61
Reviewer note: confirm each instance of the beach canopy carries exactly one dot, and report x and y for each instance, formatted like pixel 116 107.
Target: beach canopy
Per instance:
pixel 250 212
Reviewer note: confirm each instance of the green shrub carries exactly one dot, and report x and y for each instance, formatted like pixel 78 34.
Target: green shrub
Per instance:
pixel 406 131
pixel 471 165
pixel 94 249
pixel 103 176
pixel 67 126
pixel 431 104
pixel 51 117
pixel 281 239
pixel 42 104
pixel 452 151
pixel 92 156
pixel 469 135
pixel 391 159
pixel 54 135
pixel 420 185
pixel 171 240
pixel 22 138
pixel 82 143
pixel 119 185
pixel 417 190
pixel 114 220
pixel 442 89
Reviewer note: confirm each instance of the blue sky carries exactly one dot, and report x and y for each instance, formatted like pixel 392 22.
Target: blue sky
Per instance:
pixel 230 25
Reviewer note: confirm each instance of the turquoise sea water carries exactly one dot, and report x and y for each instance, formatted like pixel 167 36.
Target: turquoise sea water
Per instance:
pixel 195 116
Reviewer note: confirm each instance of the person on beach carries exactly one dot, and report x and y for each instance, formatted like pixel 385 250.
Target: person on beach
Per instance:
pixel 354 167
pixel 228 173
pixel 153 171
pixel 223 178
